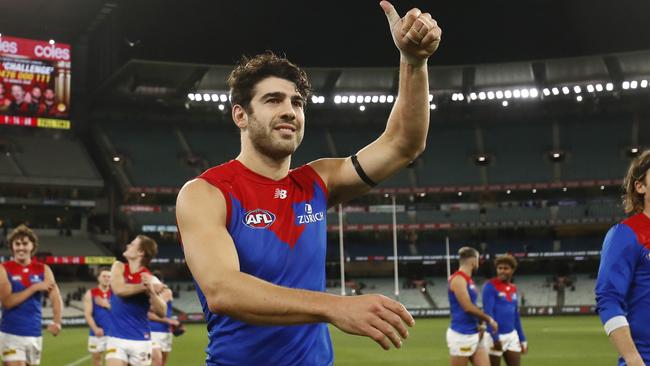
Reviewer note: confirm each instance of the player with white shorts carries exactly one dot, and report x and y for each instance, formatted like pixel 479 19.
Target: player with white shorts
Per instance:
pixel 97 311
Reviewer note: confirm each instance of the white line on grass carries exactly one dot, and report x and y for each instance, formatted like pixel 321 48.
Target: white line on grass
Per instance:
pixel 79 361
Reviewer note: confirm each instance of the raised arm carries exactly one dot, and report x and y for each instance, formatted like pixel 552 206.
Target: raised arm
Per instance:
pixel 12 299
pixel 214 263
pixel 458 286
pixel 57 302
pixel 417 37
pixel 119 285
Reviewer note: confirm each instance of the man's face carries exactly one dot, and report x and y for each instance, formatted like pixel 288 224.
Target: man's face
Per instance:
pixel 36 93
pixel 49 94
pixel 22 248
pixel 504 272
pixel 133 249
pixel 104 278
pixel 18 93
pixel 276 122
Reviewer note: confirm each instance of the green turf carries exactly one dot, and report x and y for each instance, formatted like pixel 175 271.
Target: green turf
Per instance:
pixel 555 341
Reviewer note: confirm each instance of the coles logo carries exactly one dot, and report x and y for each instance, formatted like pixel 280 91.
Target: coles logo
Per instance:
pixel 258 219
pixel 51 51
pixel 8 47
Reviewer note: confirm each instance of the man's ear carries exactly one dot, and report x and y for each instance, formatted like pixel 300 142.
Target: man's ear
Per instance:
pixel 640 187
pixel 239 116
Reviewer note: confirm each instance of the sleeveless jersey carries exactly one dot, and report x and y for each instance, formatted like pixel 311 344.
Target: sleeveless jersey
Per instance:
pixel 101 315
pixel 461 321
pixel 279 230
pixel 24 319
pixel 162 327
pixel 129 314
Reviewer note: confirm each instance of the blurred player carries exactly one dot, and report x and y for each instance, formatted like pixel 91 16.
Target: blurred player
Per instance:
pixel 97 311
pixel 623 284
pixel 23 281
pixel 134 292
pixel 463 338
pixel 500 302
pixel 161 329
pixel 254 232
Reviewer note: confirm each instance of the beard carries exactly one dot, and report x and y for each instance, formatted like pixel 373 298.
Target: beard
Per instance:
pixel 264 141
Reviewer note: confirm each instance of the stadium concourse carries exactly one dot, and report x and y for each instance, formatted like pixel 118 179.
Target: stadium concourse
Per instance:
pixel 101 124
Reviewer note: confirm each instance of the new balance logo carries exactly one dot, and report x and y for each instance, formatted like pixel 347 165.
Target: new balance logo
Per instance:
pixel 280 193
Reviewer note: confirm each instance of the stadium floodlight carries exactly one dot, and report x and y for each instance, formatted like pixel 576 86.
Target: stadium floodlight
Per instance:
pixel 644 83
pixel 206 97
pixel 516 93
pixel 359 99
pixel 190 96
pixel 577 89
pixel 51 41
pixel 579 98
pixel 525 93
pixel 504 103
pixel 337 99
pixel 367 99
pixel 507 94
pixel 222 107
pixel 626 85
pixel 353 99
pixel 143 195
pixel 534 190
pixel 609 86
pixel 223 98
pixel 481 96
pixel 490 95
pixel 590 88
pixel 344 99
pixel 472 96
pixel 116 159
pixel 321 99
pixel 390 99
pixel 386 195
pixel 546 92
pixel 314 99
pixel 499 94
pixel 362 108
pixel 215 97
pixel 423 194
pixel 382 99
pixel 454 97
pixel 198 97
pixel 599 87
pixel 555 91
pixel 633 84
pixel 461 97
pixel 375 99
pixel 564 189
pixel 430 97
pixel 565 90
pixel 433 106
pixel 460 194
pixel 602 188
pixel 534 93
pixel 634 150
pixel 508 191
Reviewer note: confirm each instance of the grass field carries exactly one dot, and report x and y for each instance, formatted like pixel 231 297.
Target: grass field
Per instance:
pixel 555 341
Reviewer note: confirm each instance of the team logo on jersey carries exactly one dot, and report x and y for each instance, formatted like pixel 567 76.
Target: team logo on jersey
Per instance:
pixel 34 278
pixel 280 193
pixel 310 216
pixel 258 219
pixel 16 278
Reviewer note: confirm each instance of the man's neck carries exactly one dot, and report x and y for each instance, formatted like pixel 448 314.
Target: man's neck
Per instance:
pixel 466 270
pixel 134 265
pixel 264 165
pixel 24 262
pixel 105 288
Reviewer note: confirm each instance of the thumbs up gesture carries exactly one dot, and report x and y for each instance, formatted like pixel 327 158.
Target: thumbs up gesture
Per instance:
pixel 416 35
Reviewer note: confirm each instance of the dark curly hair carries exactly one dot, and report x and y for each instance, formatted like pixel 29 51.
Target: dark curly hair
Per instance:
pixel 506 259
pixel 250 71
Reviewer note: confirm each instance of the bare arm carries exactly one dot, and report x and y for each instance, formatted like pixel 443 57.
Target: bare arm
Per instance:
pixel 88 312
pixel 119 285
pixel 158 305
pixel 214 263
pixel 57 302
pixel 621 338
pixel 405 135
pixel 10 299
pixel 458 286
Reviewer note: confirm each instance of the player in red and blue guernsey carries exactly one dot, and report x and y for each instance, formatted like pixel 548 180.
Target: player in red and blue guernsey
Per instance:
pixel 623 284
pixel 161 328
pixel 133 292
pixel 500 302
pixel 464 333
pixel 254 231
pixel 23 282
pixel 97 311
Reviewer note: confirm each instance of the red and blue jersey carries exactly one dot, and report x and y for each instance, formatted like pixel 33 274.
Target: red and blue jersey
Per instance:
pixel 500 302
pixel 279 230
pixel 461 321
pixel 160 326
pixel 101 315
pixel 623 284
pixel 25 318
pixel 129 314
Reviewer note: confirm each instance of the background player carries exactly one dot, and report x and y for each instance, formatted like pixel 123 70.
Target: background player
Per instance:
pixel 463 338
pixel 22 283
pixel 254 233
pixel 500 302
pixel 97 309
pixel 134 291
pixel 623 283
pixel 161 328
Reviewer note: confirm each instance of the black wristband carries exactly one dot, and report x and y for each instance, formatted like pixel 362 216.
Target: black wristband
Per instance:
pixel 362 174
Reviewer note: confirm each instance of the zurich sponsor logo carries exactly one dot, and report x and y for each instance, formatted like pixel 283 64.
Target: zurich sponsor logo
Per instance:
pixel 34 278
pixel 310 216
pixel 258 219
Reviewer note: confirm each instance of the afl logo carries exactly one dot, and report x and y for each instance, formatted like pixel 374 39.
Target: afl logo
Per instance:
pixel 258 219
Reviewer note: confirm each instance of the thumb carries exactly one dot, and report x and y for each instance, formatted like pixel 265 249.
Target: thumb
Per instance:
pixel 390 12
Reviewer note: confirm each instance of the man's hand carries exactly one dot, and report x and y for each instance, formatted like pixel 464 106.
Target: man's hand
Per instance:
pixel 173 322
pixel 374 316
pixel 45 286
pixel 524 348
pixel 494 325
pixel 417 35
pixel 497 345
pixel 54 329
pixel 99 332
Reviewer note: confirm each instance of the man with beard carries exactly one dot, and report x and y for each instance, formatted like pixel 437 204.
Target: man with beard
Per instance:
pixel 463 335
pixel 254 232
pixel 48 107
pixel 500 302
